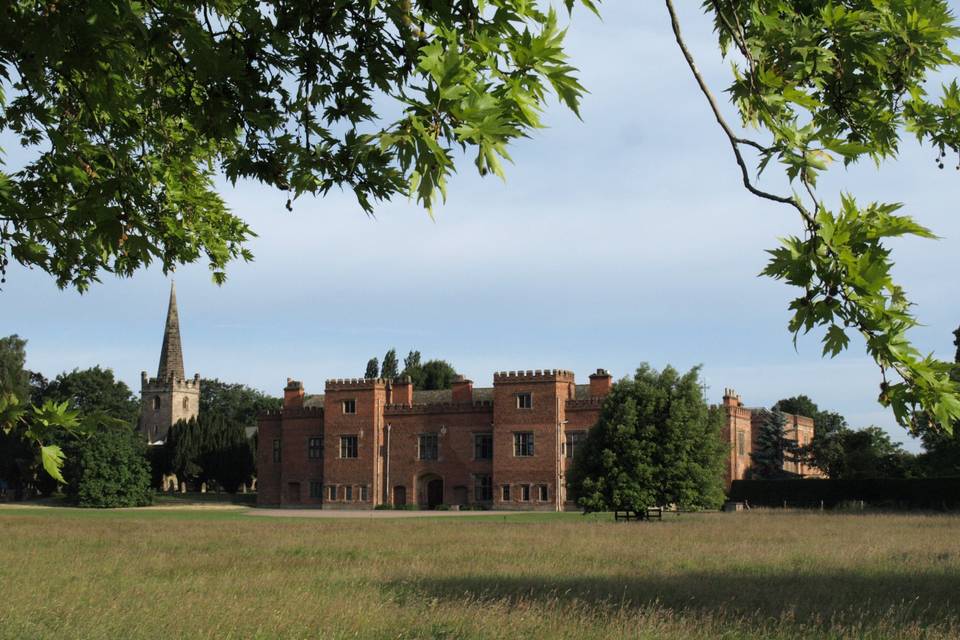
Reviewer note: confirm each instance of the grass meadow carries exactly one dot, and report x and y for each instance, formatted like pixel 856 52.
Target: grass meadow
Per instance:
pixel 216 573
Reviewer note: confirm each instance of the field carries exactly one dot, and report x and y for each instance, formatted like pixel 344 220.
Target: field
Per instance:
pixel 218 573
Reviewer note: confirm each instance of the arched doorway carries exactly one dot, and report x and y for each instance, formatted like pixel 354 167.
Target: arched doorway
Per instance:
pixel 430 491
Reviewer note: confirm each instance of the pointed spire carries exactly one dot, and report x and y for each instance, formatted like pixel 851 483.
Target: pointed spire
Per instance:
pixel 171 353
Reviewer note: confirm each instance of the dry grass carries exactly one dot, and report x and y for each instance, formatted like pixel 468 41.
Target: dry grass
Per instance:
pixel 164 574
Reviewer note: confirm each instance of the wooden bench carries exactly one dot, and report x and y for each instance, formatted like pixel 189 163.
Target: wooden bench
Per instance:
pixel 648 514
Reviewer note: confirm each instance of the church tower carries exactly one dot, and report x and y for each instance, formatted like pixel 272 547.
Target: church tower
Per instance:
pixel 170 397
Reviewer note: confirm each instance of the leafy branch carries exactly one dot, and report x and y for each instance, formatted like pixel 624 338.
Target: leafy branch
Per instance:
pixel 847 81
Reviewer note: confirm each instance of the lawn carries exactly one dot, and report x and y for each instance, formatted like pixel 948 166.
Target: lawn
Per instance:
pixel 207 573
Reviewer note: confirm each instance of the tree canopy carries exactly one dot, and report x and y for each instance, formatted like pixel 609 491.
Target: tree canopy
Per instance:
pixel 375 97
pixel 93 390
pixel 656 443
pixel 236 403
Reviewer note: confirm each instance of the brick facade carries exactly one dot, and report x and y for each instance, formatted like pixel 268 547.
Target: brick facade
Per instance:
pixel 367 442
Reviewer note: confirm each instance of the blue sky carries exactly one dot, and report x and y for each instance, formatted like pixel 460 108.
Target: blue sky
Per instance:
pixel 621 239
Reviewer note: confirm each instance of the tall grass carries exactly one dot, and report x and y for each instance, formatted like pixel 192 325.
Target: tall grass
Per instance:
pixel 198 575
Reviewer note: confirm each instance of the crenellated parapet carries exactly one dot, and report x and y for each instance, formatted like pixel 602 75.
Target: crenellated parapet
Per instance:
pixel 480 406
pixel 354 384
pixel 294 412
pixel 584 404
pixel 535 375
pixel 148 384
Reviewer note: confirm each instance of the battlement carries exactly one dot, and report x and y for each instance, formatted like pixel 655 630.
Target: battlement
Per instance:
pixel 293 412
pixel 538 375
pixel 148 384
pixel 585 404
pixel 439 407
pixel 354 384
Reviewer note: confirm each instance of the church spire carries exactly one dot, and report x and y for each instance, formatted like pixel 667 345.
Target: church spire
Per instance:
pixel 171 354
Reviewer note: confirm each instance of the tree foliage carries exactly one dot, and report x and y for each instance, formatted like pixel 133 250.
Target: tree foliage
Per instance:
pixel 826 451
pixel 14 378
pixel 389 369
pixel 210 449
pixel 373 369
pixel 236 403
pixel 375 97
pixel 93 390
pixel 108 469
pixel 656 443
pixel 821 81
pixel 772 447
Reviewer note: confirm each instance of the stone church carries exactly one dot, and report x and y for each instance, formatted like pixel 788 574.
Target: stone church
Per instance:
pixel 171 396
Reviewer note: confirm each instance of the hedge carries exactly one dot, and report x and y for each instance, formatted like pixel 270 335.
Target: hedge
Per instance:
pixel 900 493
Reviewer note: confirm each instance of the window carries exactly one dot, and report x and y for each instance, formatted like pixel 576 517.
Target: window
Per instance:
pixel 348 493
pixel 574 438
pixel 505 493
pixel 348 446
pixel 156 403
pixel 542 493
pixel 523 444
pixel 276 450
pixel 524 401
pixel 428 446
pixel 741 443
pixel 349 406
pixel 316 489
pixel 364 493
pixel 331 492
pixel 482 488
pixel 315 448
pixel 483 446
pixel 525 493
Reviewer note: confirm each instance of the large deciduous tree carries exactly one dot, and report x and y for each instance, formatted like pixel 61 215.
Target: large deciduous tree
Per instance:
pixel 237 403
pixel 656 443
pixel 815 82
pixel 94 390
pixel 128 110
pixel 108 469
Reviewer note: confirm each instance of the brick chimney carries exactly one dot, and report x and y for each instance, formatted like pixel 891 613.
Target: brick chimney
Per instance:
pixel 600 383
pixel 462 389
pixel 731 398
pixel 293 394
pixel 402 391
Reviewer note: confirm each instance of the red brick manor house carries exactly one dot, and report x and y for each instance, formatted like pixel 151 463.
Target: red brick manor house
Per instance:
pixel 368 442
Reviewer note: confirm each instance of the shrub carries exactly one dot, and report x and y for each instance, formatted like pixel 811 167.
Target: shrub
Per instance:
pixel 109 469
pixel 442 507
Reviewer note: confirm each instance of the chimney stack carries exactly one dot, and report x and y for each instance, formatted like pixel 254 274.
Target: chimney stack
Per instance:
pixel 293 394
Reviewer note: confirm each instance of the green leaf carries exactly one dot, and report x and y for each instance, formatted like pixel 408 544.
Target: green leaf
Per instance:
pixel 52 458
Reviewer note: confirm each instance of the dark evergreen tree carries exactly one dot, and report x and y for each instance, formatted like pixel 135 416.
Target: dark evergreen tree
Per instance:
pixel 773 448
pixel 656 443
pixel 210 449
pixel 870 453
pixel 108 469
pixel 389 369
pixel 373 369
pixel 413 368
pixel 436 374
pixel 826 451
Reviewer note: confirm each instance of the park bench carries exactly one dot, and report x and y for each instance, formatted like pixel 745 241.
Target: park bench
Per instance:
pixel 648 514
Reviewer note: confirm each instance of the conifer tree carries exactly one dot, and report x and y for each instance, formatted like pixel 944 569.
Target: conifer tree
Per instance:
pixel 772 448
pixel 373 368
pixel 390 368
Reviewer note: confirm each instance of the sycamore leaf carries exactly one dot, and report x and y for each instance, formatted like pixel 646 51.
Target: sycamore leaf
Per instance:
pixel 52 457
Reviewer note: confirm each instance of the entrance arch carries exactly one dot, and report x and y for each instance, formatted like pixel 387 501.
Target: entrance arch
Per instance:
pixel 430 491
